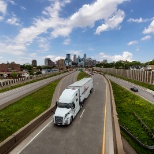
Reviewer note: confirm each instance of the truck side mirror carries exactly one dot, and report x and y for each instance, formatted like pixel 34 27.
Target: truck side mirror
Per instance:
pixel 56 103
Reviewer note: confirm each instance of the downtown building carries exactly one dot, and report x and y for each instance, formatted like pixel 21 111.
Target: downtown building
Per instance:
pixel 48 62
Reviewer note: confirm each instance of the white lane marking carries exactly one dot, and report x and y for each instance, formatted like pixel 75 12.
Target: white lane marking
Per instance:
pixel 82 113
pixel 34 137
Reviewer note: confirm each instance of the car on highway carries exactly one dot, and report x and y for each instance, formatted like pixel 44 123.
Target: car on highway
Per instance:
pixel 134 89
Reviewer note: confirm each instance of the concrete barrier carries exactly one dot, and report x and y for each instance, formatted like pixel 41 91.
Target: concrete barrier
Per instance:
pixel 17 137
pixel 119 149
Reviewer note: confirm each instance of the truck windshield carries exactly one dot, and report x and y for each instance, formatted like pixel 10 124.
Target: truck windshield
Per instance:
pixel 65 105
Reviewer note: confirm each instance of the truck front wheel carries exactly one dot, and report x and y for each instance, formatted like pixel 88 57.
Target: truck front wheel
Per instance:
pixel 81 105
pixel 71 120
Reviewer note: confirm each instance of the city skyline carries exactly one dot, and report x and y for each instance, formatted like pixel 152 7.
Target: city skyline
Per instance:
pixel 109 29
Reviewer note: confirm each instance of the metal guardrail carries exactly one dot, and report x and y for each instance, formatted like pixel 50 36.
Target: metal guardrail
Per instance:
pixel 136 140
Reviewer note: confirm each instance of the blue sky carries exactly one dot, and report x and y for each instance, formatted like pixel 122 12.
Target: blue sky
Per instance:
pixel 103 29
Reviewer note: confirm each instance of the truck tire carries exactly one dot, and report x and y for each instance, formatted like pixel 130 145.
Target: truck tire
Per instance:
pixel 81 105
pixel 71 120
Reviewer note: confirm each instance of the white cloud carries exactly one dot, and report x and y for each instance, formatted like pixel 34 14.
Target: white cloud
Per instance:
pixel 13 20
pixel 54 58
pixel 112 22
pixel 86 16
pixel 61 31
pixel 23 8
pixel 33 54
pixel 132 43
pixel 3 9
pixel 12 49
pixel 67 41
pixel 140 20
pixel 1 18
pixel 12 2
pixel 125 56
pixel 148 37
pixel 150 29
pixel 43 43
pixel 58 57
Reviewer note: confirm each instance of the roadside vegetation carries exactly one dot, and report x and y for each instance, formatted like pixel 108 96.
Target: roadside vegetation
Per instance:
pixel 20 113
pixel 26 82
pixel 127 104
pixel 82 75
pixel 143 84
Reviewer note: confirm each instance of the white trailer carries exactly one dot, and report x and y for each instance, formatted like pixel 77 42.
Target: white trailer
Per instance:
pixel 71 100
pixel 85 87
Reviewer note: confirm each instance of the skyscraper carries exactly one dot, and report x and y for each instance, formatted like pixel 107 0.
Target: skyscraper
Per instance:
pixel 85 57
pixel 47 61
pixel 74 58
pixel 68 56
pixel 34 63
pixel 68 60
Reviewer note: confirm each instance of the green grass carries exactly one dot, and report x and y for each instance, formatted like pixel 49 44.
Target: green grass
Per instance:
pixel 143 84
pixel 82 75
pixel 20 113
pixel 126 103
pixel 26 82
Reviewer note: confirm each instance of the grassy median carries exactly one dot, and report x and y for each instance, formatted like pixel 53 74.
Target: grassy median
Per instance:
pixel 82 75
pixel 20 113
pixel 126 104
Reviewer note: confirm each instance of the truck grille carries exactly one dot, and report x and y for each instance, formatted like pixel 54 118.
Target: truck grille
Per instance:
pixel 59 120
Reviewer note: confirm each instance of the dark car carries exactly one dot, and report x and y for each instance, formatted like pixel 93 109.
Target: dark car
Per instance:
pixel 134 89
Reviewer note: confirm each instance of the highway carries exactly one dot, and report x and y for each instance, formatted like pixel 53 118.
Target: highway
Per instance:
pixel 87 133
pixel 143 92
pixel 11 96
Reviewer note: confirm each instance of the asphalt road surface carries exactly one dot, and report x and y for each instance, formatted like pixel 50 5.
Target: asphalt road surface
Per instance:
pixel 143 92
pixel 84 136
pixel 13 95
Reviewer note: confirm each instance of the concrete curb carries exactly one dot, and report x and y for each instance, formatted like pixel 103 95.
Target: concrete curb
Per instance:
pixel 119 149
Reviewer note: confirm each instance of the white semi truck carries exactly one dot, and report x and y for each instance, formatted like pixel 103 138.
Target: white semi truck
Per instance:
pixel 71 101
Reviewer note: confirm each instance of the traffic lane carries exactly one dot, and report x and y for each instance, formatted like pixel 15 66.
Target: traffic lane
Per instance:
pixel 67 81
pixel 15 93
pixel 64 82
pixel 143 92
pixel 32 85
pixel 84 135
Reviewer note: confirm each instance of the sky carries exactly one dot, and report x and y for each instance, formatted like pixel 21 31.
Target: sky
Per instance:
pixel 109 30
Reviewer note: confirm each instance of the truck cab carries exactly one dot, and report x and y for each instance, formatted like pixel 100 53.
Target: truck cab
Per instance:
pixel 67 107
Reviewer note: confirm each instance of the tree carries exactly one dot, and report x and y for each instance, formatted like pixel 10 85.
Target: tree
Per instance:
pixel 14 75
